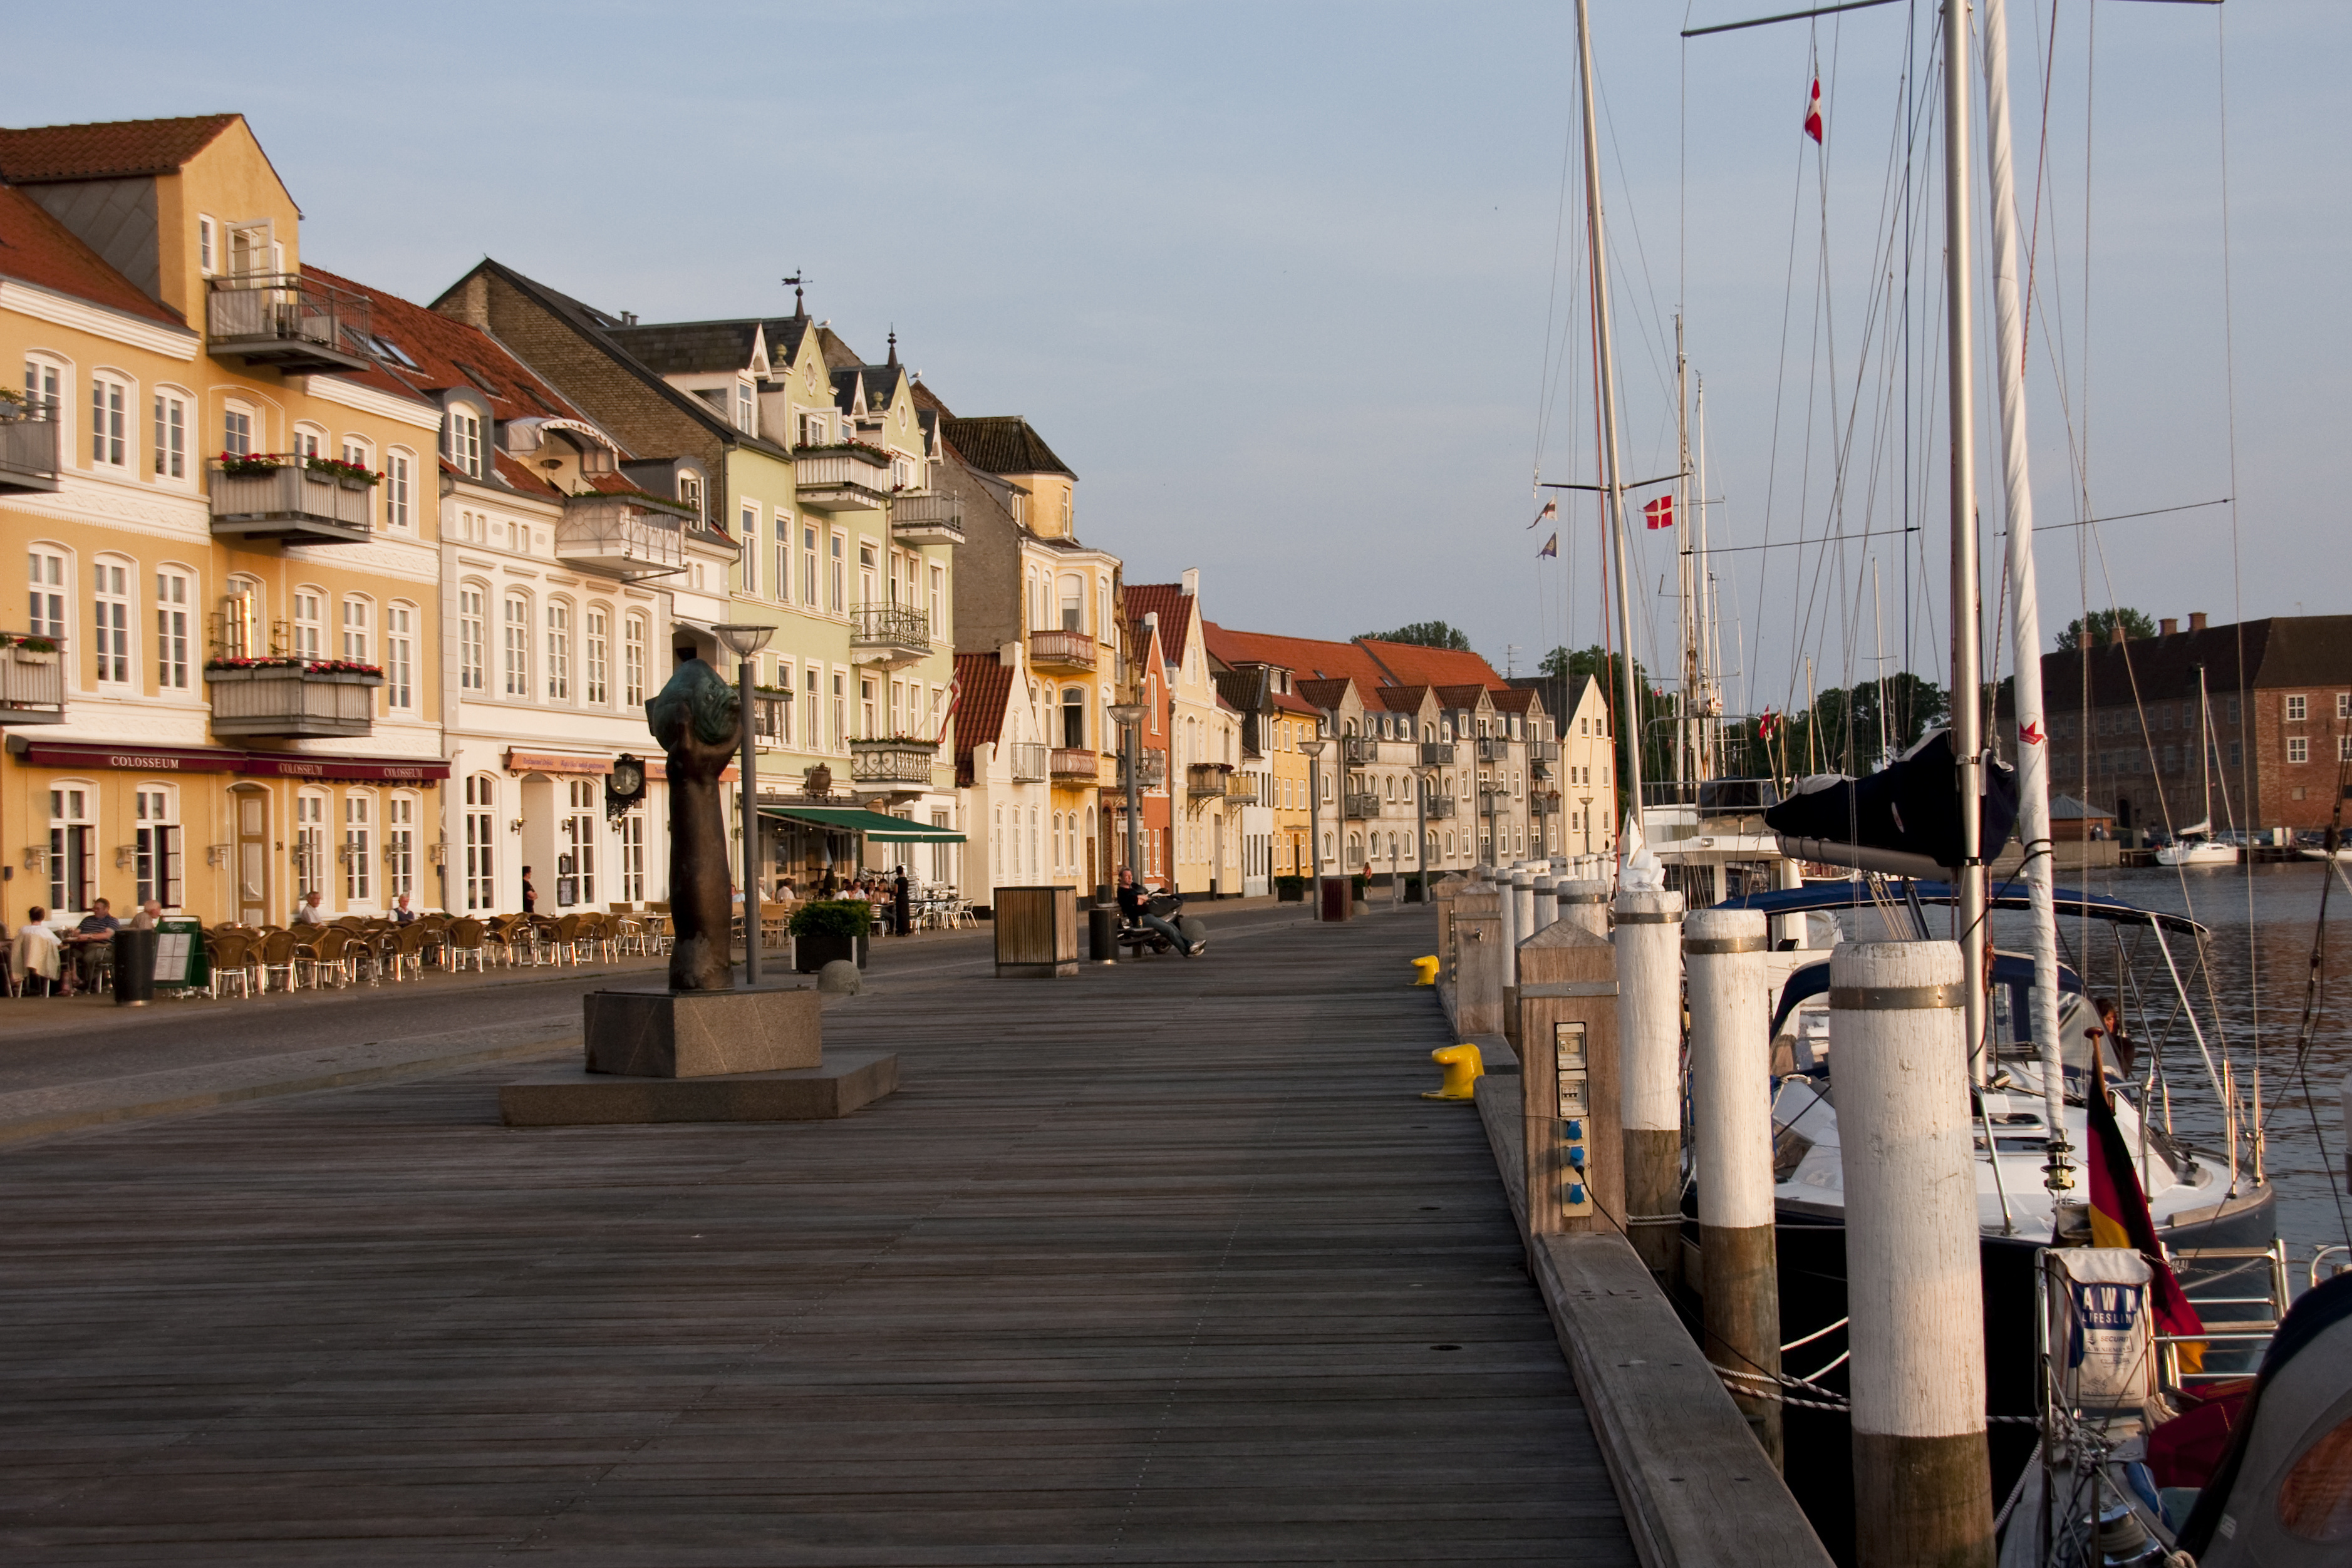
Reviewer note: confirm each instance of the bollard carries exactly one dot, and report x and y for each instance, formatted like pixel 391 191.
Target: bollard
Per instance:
pixel 1478 958
pixel 1462 1066
pixel 1546 908
pixel 1922 1478
pixel 1523 908
pixel 1586 903
pixel 1424 970
pixel 1731 1134
pixel 1506 900
pixel 1649 1064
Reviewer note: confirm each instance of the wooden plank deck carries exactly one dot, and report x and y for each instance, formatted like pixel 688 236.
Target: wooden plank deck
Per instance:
pixel 1163 1264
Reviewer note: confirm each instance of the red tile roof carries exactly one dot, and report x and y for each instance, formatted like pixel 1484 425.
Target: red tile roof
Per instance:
pixel 985 683
pixel 1307 657
pixel 1401 699
pixel 1172 605
pixel 1410 664
pixel 1515 699
pixel 106 150
pixel 1325 695
pixel 36 248
pixel 1460 697
pixel 1291 702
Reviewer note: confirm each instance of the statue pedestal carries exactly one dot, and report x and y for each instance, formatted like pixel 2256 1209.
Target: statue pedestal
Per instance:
pixel 749 1055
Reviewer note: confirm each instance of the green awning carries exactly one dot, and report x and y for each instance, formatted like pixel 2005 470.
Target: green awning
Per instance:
pixel 876 825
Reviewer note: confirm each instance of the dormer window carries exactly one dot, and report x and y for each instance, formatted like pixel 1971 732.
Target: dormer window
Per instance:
pixel 478 377
pixel 689 490
pixel 813 430
pixel 746 418
pixel 462 438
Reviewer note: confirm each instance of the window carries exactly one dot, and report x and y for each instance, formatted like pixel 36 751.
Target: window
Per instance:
pixel 400 657
pixel 689 490
pixel 2237 754
pixel 398 484
pixel 629 840
pixel 107 399
pixel 400 846
pixel 783 579
pixel 559 651
pixel 2298 748
pixel 632 661
pixel 2344 705
pixel 518 647
pixel 241 618
pixel 2294 708
pixel 470 636
pixel 42 387
pixel 2344 748
pixel 207 244
pixel 867 704
pixel 840 707
pixel 840 580
pixel 810 680
pixel 172 596
pixel 575 863
pixel 111 626
pixel 306 443
pixel 744 417
pixel 481 848
pixel 309 624
pixel 310 843
pixel 46 572
pixel 72 852
pixel 237 431
pixel 358 644
pixel 171 436
pixel 750 521
pixel 808 566
pixel 157 851
pixel 599 655
pixel 866 565
pixel 359 881
pixel 1074 717
pixel 464 435
pixel 939 627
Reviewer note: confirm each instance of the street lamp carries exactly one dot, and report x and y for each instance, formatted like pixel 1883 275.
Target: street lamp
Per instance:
pixel 1423 779
pixel 1128 717
pixel 745 643
pixel 1314 750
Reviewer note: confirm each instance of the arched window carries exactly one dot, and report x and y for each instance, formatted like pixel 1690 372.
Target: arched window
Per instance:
pixel 310 622
pixel 310 440
pixel 632 664
pixel 111 581
pixel 1073 602
pixel 399 488
pixel 241 618
pixel 597 656
pixel 175 598
pixel 112 409
pixel 559 650
pixel 516 647
pixel 50 585
pixel 359 630
pixel 172 434
pixel 473 635
pixel 1074 717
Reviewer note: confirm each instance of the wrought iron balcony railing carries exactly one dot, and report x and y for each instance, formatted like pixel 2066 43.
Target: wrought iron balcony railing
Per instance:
pixel 900 760
pixel 289 322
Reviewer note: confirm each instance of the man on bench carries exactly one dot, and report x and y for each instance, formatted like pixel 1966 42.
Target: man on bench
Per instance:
pixel 1135 903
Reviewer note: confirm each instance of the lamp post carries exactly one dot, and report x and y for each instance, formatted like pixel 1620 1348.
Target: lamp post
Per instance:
pixel 745 643
pixel 1423 780
pixel 1314 750
pixel 1128 717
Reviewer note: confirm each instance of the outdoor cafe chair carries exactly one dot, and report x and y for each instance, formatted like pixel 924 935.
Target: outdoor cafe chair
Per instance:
pixel 278 953
pixel 229 955
pixel 466 941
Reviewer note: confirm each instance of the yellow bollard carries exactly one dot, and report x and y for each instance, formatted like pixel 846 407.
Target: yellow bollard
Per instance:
pixel 1424 970
pixel 1462 1071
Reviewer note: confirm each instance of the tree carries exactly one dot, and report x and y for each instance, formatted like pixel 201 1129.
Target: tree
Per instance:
pixel 1572 665
pixel 2099 626
pixel 1424 634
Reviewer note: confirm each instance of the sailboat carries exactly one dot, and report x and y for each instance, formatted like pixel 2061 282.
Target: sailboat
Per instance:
pixel 2195 844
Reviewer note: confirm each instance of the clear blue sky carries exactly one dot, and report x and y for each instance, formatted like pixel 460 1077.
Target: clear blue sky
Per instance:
pixel 1274 278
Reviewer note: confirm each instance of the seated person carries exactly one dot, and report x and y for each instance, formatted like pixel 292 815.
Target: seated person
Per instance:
pixel 310 912
pixel 92 941
pixel 401 915
pixel 34 957
pixel 1135 903
pixel 149 912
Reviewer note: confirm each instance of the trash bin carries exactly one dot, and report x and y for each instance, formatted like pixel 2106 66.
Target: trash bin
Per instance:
pixel 1338 898
pixel 1102 933
pixel 134 968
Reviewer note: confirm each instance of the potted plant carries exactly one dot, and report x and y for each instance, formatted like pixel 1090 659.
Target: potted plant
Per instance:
pixel 250 464
pixel 30 650
pixel 1290 889
pixel 824 929
pixel 349 476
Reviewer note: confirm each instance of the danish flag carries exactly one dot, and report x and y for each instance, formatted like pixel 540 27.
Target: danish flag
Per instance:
pixel 1660 513
pixel 1814 112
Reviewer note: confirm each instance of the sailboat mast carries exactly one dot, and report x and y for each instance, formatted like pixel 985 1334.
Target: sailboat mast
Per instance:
pixel 1878 637
pixel 1967 652
pixel 2033 727
pixel 1687 765
pixel 1710 670
pixel 2205 746
pixel 1629 723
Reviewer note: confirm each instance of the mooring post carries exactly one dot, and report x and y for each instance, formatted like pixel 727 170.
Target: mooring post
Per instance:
pixel 1731 1134
pixel 1545 909
pixel 1650 1038
pixel 1922 1476
pixel 1585 902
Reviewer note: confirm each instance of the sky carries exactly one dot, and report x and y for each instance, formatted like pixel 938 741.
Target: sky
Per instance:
pixel 1295 288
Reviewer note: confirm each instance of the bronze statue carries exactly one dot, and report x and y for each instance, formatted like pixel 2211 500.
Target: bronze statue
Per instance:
pixel 696 720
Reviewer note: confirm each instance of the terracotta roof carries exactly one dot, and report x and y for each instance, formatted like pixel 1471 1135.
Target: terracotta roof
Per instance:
pixel 1401 699
pixel 1515 699
pixel 36 248
pixel 1305 656
pixel 985 683
pixel 1461 696
pixel 440 349
pixel 1410 664
pixel 1172 604
pixel 1325 695
pixel 105 149
pixel 1004 443
pixel 1291 702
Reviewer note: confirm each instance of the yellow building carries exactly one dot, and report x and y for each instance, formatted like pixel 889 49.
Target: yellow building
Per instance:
pixel 229 543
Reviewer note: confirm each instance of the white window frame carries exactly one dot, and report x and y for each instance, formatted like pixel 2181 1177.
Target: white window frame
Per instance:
pixel 399 488
pixel 516 627
pixel 113 397
pixel 113 644
pixel 747 519
pixel 172 454
pixel 400 621
pixel 49 588
pixel 175 602
pixel 158 865
pixel 559 649
pixel 310 619
pixel 473 637
pixel 596 654
pixel 254 437
pixel 356 625
pixel 632 659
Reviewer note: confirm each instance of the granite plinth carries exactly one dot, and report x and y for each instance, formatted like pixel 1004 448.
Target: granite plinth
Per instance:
pixel 577 1098
pixel 703 1034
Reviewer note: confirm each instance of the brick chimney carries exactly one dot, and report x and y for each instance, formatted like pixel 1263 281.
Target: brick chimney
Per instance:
pixel 2168 626
pixel 2196 620
pixel 2115 633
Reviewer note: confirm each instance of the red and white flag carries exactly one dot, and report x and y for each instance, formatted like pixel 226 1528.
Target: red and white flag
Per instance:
pixel 1814 112
pixel 1660 513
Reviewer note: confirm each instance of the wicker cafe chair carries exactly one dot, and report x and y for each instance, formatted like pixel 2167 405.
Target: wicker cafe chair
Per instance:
pixel 230 955
pixel 277 956
pixel 467 942
pixel 568 937
pixel 324 958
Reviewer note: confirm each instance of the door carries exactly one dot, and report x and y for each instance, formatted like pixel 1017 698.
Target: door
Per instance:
pixel 252 857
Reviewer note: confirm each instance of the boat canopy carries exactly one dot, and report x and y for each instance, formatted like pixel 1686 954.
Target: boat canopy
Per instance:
pixel 2008 969
pixel 1829 895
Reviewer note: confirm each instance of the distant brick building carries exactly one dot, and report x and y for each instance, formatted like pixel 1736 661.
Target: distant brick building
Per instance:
pixel 2123 722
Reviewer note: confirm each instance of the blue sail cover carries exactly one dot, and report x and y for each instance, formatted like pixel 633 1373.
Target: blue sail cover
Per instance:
pixel 1835 895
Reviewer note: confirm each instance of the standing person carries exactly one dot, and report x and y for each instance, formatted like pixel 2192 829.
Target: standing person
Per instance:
pixel 2120 1039
pixel 1135 904
pixel 530 893
pixel 35 954
pixel 906 902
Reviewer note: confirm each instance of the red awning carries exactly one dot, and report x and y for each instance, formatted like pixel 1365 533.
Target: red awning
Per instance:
pixel 218 759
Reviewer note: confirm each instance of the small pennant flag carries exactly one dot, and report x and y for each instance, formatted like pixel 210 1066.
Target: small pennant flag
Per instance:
pixel 1550 550
pixel 1550 511
pixel 1814 112
pixel 1660 513
pixel 1766 724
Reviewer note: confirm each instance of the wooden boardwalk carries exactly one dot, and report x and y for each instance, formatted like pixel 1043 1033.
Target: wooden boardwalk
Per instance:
pixel 1166 1264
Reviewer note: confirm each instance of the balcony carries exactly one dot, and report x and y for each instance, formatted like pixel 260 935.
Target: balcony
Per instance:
pixel 1438 807
pixel 771 710
pixel 1494 748
pixel 1206 780
pixel 1358 749
pixel 1436 753
pixel 842 479
pixel 288 322
pixel 1070 652
pixel 889 634
pixel 292 701
pixel 1028 761
pixel 1544 750
pixel 1074 764
pixel 901 762
pixel 1544 805
pixel 265 498
pixel 926 517
pixel 28 447
pixel 624 538
pixel 32 680
pixel 1151 771
pixel 1359 804
pixel 1241 789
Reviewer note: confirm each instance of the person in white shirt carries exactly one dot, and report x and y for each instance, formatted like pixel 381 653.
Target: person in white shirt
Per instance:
pixel 35 955
pixel 309 911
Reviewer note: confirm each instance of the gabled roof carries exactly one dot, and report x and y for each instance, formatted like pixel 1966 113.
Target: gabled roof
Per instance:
pixel 1172 605
pixel 1291 702
pixel 1325 695
pixel 36 248
pixel 1462 696
pixel 1410 664
pixel 930 401
pixel 1517 699
pixel 983 684
pixel 1401 699
pixel 2279 650
pixel 690 348
pixel 1307 657
pixel 105 149
pixel 1004 443
pixel 784 335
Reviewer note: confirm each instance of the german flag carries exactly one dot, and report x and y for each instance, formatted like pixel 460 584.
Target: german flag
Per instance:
pixel 2119 1218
